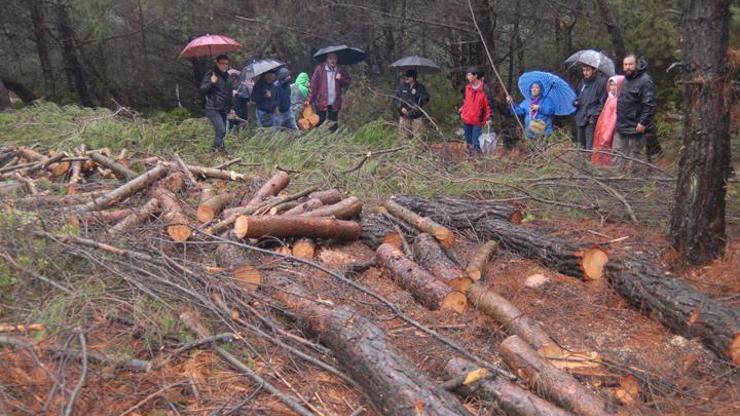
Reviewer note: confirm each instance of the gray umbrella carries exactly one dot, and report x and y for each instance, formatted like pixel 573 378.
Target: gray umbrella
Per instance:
pixel 415 62
pixel 592 58
pixel 345 54
pixel 259 67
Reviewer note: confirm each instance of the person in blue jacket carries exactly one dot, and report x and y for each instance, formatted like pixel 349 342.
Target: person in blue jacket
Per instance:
pixel 537 107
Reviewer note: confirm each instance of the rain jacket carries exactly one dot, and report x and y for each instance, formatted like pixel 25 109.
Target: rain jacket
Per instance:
pixel 411 98
pixel 591 97
pixel 259 95
pixel 319 92
pixel 637 101
pixel 606 125
pixel 281 96
pixel 544 113
pixel 475 110
pixel 299 93
pixel 219 95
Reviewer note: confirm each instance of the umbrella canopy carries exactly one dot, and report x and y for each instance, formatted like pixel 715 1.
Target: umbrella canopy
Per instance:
pixel 417 63
pixel 209 45
pixel 553 87
pixel 592 58
pixel 259 67
pixel 346 55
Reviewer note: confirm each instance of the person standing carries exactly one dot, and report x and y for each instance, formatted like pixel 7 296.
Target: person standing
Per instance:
pixel 262 97
pixel 218 94
pixel 591 97
pixel 282 113
pixel 328 81
pixel 606 124
pixel 635 109
pixel 537 111
pixel 299 94
pixel 410 97
pixel 475 111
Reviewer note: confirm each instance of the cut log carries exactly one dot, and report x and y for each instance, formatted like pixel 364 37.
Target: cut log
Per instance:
pixel 98 217
pixel 185 171
pixel 28 184
pixel 206 192
pixel 380 229
pixel 304 248
pixel 344 210
pixel 268 203
pixel 240 265
pixel 272 187
pixel 173 182
pixel 429 254
pixel 476 267
pixel 137 217
pixel 124 191
pixel 213 173
pixel 551 382
pixel 59 168
pixel 327 197
pixel 282 207
pixel 390 381
pixel 424 287
pixel 30 154
pixel 177 223
pixel 312 203
pixel 247 226
pixel 121 171
pixel 443 234
pixel 75 177
pixel 448 211
pixel 209 209
pixel 512 399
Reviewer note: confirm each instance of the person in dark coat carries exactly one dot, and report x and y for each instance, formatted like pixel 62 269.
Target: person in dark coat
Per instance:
pixel 328 81
pixel 635 109
pixel 283 115
pixel 410 97
pixel 591 97
pixel 218 94
pixel 262 97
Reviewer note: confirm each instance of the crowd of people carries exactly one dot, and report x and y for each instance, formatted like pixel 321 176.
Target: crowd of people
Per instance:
pixel 612 115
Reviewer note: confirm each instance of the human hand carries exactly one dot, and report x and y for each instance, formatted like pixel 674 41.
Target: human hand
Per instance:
pixel 509 100
pixel 640 128
pixel 268 94
pixel 413 91
pixel 404 111
pixel 338 77
pixel 214 78
pixel 535 107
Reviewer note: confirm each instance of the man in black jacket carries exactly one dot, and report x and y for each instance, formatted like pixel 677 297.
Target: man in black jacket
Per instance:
pixel 218 93
pixel 635 110
pixel 283 116
pixel 410 97
pixel 262 97
pixel 590 101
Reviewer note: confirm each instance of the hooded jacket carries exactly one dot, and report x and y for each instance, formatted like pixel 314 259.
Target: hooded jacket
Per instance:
pixel 590 101
pixel 544 113
pixel 219 95
pixel 475 109
pixel 637 101
pixel 605 126
pixel 281 95
pixel 299 93
pixel 259 95
pixel 411 98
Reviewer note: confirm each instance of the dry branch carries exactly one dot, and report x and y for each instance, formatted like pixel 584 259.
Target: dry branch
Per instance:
pixel 124 191
pixel 121 171
pixel 282 226
pixel 345 209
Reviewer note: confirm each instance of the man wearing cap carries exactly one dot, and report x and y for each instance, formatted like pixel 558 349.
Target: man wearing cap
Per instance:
pixel 590 101
pixel 282 115
pixel 410 97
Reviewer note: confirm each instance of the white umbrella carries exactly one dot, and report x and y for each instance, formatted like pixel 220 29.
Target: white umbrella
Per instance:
pixel 592 58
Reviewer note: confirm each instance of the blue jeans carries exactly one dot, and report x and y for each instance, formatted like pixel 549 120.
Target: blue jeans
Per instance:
pixel 472 133
pixel 283 120
pixel 264 118
pixel 218 119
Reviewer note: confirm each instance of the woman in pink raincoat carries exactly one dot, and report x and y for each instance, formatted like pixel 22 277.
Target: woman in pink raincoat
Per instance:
pixel 606 124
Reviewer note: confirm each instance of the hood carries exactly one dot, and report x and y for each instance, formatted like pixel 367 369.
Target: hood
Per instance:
pixel 642 66
pixel 619 79
pixel 302 79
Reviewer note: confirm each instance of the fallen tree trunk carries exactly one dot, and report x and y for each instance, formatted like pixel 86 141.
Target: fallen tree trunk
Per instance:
pixel 240 265
pixel 380 229
pixel 551 382
pixel 213 173
pixel 209 209
pixel 344 210
pixel 511 398
pixel 430 255
pixel 327 197
pixel 452 211
pixel 392 383
pixel 136 218
pixel 443 234
pixel 281 226
pixel 477 266
pixel 121 171
pixel 424 287
pixel 124 191
pixel 312 203
pixel 272 187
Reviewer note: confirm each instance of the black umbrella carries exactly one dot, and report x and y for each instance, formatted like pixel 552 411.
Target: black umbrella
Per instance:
pixel 417 63
pixel 346 55
pixel 259 67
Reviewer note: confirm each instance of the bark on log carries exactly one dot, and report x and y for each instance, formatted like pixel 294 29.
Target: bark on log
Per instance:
pixel 177 223
pixel 213 173
pixel 477 266
pixel 124 191
pixel 268 203
pixel 206 192
pixel 240 265
pixel 425 224
pixel 59 168
pixel 136 218
pixel 121 172
pixel 380 229
pixel 272 187
pixel 75 177
pixel 305 248
pixel 312 203
pixel 430 255
pixel 344 210
pixel 551 382
pixel 511 398
pixel 280 226
pixel 209 209
pixel 282 207
pixel 391 382
pixel 185 171
pixel 449 210
pixel 423 286
pixel 98 217
pixel 327 197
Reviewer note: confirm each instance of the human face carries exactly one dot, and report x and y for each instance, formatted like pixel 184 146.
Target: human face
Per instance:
pixel 629 65
pixel 471 77
pixel 409 80
pixel 535 89
pixel 612 87
pixel 588 71
pixel 270 77
pixel 332 59
pixel 223 65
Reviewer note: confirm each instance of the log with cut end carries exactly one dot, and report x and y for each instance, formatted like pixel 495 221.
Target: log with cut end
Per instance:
pixel 449 211
pixel 344 210
pixel 137 217
pixel 512 399
pixel 240 264
pixel 380 229
pixel 425 224
pixel 327 197
pixel 282 207
pixel 305 248
pixel 422 285
pixel 390 381
pixel 429 254
pixel 172 214
pixel 206 192
pixel 551 382
pixel 206 172
pixel 477 266
pixel 312 203
pixel 249 226
pixel 75 177
pixel 121 171
pixel 209 209
pixel 59 168
pixel 124 191
pixel 272 187
pixel 265 206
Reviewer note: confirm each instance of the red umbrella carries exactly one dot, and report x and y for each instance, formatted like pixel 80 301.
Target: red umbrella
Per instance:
pixel 209 45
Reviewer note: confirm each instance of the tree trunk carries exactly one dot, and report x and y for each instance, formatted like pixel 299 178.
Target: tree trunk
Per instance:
pixel 423 286
pixel 213 173
pixel 380 229
pixel 136 218
pixel 452 209
pixel 121 171
pixel 247 226
pixel 124 191
pixel 344 210
pixel 443 234
pixel 69 55
pixel 19 89
pixel 172 214
pixel 609 18
pixel 272 187
pixel 698 216
pixel 299 209
pixel 38 20
pixel 392 383
pixel 240 264
pixel 305 248
pixel 430 255
pixel 4 96
pixel 327 197
pixel 208 210
pixel 477 266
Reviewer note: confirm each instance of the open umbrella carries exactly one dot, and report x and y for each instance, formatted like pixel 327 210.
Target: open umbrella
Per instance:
pixel 209 45
pixel 592 58
pixel 259 67
pixel 553 87
pixel 417 63
pixel 346 54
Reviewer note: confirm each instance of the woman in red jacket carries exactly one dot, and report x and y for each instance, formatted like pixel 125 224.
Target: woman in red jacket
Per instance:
pixel 475 111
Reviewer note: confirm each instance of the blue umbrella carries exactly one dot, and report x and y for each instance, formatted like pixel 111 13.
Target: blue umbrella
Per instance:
pixel 554 88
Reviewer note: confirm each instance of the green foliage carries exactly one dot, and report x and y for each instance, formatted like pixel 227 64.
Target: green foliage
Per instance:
pixel 174 115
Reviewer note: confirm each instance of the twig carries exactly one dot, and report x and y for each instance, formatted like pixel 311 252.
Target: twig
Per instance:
pixel 151 396
pixel 228 163
pixel 71 404
pixel 184 168
pixel 620 197
pixel 33 274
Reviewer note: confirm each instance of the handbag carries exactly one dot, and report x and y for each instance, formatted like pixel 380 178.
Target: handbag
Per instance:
pixel 537 127
pixel 487 141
